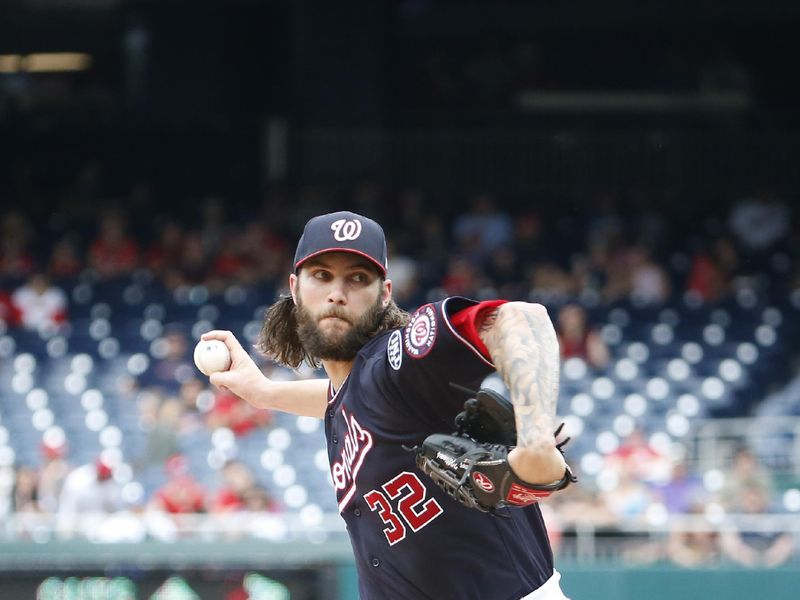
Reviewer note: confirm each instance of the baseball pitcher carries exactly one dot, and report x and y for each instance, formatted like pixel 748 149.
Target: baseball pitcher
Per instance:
pixel 439 495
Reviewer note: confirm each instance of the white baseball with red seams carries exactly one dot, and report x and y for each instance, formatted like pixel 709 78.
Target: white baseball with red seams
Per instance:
pixel 212 356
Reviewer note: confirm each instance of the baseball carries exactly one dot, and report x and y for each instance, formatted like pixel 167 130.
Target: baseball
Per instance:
pixel 212 356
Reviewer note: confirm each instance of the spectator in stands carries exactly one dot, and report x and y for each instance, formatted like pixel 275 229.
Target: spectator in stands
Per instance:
pixel 239 491
pixel 163 256
pixel 404 272
pixel 147 405
pixel 191 416
pixel 52 475
pixel 237 479
pixel 113 253
pixel 89 490
pixel 248 511
pixel 550 284
pixel 751 547
pixel 577 339
pixel 484 228
pixel 432 250
pixel 40 304
pixel 263 254
pixel 583 505
pixel 65 260
pixel 694 543
pixel 745 472
pixel 16 261
pixel 462 278
pixel 231 263
pixel 617 284
pixel 683 491
pixel 712 270
pixel 529 240
pixel 22 502
pixel 504 272
pixel 589 271
pixel 172 365
pixel 195 262
pixel 213 226
pixel 24 493
pixel 237 415
pixel 16 225
pixel 760 221
pixel 162 436
pixel 257 499
pixel 635 456
pixel 406 214
pixel 9 314
pixel 629 498
pixel 649 282
pixel 181 494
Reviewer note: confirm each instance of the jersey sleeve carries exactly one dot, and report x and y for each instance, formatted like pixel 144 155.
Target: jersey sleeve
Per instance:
pixel 439 347
pixel 467 320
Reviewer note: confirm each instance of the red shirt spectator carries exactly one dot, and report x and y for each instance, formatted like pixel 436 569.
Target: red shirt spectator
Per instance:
pixel 638 459
pixel 228 263
pixel 238 479
pixel 182 494
pixel 712 271
pixel 64 260
pixel 15 260
pixel 166 253
pixel 576 339
pixel 237 415
pixel 8 312
pixel 113 253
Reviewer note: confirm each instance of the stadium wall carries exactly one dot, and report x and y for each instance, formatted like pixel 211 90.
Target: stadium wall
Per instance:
pixel 303 571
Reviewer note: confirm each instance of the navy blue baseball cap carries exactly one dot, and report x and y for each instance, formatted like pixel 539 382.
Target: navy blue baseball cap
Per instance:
pixel 343 231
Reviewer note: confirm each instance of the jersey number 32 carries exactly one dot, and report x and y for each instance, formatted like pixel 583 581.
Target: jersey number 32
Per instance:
pixel 412 510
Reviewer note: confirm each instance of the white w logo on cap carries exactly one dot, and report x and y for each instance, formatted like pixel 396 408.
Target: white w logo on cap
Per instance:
pixel 344 230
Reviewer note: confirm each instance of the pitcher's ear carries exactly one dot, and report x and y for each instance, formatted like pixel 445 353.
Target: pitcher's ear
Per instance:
pixel 386 292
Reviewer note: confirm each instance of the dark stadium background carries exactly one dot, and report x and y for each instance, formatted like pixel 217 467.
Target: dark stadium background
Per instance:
pixel 659 118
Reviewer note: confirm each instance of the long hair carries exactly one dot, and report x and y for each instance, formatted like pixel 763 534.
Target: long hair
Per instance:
pixel 280 341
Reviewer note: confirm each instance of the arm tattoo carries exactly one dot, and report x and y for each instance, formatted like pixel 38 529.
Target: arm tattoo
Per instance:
pixel 524 348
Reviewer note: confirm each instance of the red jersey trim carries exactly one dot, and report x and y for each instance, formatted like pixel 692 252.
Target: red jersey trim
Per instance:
pixel 465 325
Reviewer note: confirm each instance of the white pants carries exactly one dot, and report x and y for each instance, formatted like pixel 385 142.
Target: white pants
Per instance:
pixel 549 590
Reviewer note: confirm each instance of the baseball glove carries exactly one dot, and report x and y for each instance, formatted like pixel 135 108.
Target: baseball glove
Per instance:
pixel 488 417
pixel 475 471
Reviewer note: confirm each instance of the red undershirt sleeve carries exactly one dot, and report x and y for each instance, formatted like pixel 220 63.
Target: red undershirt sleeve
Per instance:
pixel 466 323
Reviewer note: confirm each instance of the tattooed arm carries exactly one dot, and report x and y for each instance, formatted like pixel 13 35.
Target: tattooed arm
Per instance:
pixel 524 348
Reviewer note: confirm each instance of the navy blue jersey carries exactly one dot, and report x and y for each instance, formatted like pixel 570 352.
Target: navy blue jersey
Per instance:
pixel 412 541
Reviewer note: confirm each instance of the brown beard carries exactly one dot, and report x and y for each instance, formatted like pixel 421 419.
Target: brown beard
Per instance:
pixel 343 347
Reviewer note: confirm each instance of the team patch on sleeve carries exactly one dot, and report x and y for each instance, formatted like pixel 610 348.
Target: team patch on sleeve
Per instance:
pixel 394 350
pixel 420 333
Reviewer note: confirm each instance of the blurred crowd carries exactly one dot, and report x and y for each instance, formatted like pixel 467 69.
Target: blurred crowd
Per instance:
pixel 172 405
pixel 472 246
pixel 567 261
pixel 727 514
